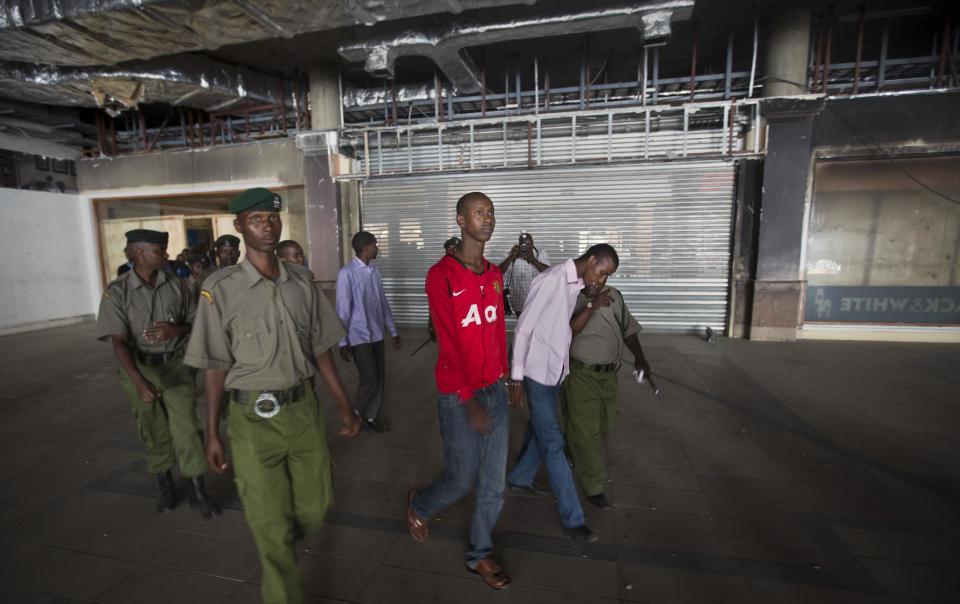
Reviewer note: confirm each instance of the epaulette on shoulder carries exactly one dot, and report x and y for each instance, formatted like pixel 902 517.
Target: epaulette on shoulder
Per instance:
pixel 211 280
pixel 300 272
pixel 117 284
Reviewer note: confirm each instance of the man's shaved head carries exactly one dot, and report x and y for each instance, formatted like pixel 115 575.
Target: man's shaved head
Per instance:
pixel 466 199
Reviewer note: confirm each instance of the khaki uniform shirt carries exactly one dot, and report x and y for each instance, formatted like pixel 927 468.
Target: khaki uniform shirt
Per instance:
pixel 129 306
pixel 601 341
pixel 264 334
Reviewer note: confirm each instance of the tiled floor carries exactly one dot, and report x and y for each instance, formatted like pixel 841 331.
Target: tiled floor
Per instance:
pixel 769 473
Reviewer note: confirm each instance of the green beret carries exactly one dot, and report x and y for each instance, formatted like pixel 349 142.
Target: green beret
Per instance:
pixel 147 236
pixel 227 240
pixel 257 199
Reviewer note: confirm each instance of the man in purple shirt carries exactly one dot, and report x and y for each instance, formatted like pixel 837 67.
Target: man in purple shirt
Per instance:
pixel 541 348
pixel 363 308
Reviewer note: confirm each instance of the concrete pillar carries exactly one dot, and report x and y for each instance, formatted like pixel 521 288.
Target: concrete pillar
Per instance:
pixel 788 49
pixel 779 287
pixel 324 96
pixel 322 193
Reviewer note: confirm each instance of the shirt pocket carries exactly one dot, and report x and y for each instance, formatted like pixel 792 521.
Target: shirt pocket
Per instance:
pixel 252 342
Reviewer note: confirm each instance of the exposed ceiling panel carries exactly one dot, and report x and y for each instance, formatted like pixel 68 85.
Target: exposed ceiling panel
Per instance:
pixel 651 18
pixel 106 32
pixel 190 80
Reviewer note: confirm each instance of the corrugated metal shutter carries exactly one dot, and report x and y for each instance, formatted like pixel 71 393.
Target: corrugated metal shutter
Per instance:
pixel 670 223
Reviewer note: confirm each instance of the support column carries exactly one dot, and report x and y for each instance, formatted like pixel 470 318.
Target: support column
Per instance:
pixel 324 96
pixel 779 287
pixel 788 49
pixel 322 193
pixel 746 235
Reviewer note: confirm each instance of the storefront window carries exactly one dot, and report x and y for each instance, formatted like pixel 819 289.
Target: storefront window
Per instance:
pixel 883 242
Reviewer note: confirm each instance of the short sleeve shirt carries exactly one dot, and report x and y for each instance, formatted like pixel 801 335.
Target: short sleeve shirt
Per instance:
pixel 265 334
pixel 601 341
pixel 129 306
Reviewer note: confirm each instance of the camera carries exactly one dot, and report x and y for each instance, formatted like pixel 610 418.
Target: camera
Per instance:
pixel 524 248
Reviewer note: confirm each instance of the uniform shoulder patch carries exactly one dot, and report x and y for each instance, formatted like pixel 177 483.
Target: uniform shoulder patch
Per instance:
pixel 207 295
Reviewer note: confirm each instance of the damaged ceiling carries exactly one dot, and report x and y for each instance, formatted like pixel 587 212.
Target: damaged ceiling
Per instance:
pixel 447 47
pixel 123 54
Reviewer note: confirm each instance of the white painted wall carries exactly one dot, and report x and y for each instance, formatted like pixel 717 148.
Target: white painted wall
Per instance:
pixel 48 269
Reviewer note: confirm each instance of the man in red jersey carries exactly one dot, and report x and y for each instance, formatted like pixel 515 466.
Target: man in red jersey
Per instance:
pixel 465 293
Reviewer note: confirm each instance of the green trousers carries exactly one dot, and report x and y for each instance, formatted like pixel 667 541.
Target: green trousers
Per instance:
pixel 589 407
pixel 284 478
pixel 169 428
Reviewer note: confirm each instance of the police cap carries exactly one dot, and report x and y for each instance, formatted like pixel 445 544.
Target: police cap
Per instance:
pixel 223 240
pixel 147 236
pixel 257 199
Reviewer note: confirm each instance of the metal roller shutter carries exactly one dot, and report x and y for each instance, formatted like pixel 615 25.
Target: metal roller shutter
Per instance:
pixel 670 223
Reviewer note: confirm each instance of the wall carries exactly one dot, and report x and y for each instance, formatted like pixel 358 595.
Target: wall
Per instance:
pixel 803 130
pixel 46 281
pixel 236 165
pixel 29 173
pixel 186 176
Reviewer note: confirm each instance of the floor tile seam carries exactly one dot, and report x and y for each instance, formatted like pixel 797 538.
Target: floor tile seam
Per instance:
pixel 831 447
pixel 856 410
pixel 931 565
pixel 138 566
pixel 514 581
pixel 334 556
pixel 183 533
pixel 61 511
pixel 76 550
pixel 747 573
pixel 199 573
pixel 672 490
pixel 43 591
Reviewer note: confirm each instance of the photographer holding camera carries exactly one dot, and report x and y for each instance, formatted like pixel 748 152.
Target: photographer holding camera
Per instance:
pixel 519 275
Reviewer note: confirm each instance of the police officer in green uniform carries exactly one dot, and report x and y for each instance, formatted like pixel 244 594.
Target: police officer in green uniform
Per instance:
pixel 226 250
pixel 602 326
pixel 262 332
pixel 146 314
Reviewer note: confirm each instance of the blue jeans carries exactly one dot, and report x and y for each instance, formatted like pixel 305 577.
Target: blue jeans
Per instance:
pixel 473 461
pixel 544 441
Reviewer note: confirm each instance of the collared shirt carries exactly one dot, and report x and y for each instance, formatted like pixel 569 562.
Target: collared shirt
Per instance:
pixel 266 334
pixel 601 341
pixel 129 306
pixel 541 341
pixel 520 275
pixel 362 305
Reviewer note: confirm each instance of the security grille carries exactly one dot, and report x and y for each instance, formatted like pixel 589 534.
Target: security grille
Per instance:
pixel 669 221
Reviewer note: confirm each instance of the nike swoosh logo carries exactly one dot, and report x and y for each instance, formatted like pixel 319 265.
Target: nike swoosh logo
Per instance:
pixel 455 294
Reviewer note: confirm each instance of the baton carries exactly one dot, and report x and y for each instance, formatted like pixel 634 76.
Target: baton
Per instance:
pixel 639 375
pixel 653 385
pixel 420 347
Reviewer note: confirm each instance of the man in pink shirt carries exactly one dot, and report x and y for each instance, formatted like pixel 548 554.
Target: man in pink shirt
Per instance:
pixel 541 350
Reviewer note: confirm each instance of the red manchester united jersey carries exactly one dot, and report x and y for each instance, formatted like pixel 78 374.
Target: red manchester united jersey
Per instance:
pixel 467 313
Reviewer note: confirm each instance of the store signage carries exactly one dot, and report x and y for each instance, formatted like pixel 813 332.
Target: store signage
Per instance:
pixel 867 304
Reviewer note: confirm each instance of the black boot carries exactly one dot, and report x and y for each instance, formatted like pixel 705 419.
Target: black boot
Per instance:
pixel 199 497
pixel 167 500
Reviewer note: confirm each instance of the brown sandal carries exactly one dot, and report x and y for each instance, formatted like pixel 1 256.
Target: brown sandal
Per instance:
pixel 493 574
pixel 417 526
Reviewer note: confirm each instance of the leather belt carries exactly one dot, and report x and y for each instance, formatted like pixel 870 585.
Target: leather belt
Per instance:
pixel 154 359
pixel 607 368
pixel 267 403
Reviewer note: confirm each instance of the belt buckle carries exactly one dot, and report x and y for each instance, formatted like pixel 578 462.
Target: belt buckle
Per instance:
pixel 266 405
